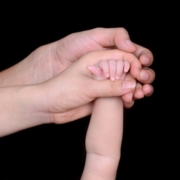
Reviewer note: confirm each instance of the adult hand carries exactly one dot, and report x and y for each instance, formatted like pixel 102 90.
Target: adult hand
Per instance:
pixel 63 98
pixel 50 60
pixel 75 45
pixel 70 94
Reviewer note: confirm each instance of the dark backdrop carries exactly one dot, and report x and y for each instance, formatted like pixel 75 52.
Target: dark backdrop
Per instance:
pixel 150 144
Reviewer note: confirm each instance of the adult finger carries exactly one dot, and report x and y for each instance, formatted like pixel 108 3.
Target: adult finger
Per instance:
pixel 146 76
pixel 110 88
pixel 144 55
pixel 128 105
pixel 113 37
pixel 148 89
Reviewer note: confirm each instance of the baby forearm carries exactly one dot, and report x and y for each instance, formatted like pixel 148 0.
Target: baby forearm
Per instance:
pixel 104 138
pixel 105 130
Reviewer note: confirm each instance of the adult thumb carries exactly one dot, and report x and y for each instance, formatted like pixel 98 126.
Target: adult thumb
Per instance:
pixel 112 88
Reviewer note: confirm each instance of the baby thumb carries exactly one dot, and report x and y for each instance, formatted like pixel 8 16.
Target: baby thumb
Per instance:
pixel 112 88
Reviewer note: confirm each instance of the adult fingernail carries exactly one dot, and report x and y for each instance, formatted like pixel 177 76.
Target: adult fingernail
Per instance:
pixel 144 76
pixel 129 84
pixel 130 43
pixel 146 61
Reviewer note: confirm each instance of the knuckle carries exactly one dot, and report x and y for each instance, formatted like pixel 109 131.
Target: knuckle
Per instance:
pixel 122 30
pixel 112 62
pixel 98 30
pixel 102 63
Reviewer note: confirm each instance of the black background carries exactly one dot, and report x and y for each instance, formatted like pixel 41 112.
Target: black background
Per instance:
pixel 150 144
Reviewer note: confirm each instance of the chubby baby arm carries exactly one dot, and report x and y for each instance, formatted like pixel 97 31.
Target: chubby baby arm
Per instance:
pixel 103 139
pixel 104 135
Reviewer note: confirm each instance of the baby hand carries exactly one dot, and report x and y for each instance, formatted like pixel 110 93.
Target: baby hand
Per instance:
pixel 109 69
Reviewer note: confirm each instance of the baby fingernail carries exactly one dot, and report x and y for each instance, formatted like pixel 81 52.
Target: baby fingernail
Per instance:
pixel 107 75
pixel 126 70
pixel 112 78
pixel 129 84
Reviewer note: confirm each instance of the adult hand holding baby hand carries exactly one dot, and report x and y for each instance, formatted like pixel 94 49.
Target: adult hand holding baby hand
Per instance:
pixel 52 59
pixel 70 94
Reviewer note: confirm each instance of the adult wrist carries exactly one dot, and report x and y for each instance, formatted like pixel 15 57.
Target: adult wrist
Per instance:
pixel 21 107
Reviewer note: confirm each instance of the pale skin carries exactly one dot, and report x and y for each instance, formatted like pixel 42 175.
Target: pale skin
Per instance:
pixel 30 105
pixel 103 139
pixel 54 101
pixel 49 60
pixel 104 136
pixel 37 82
